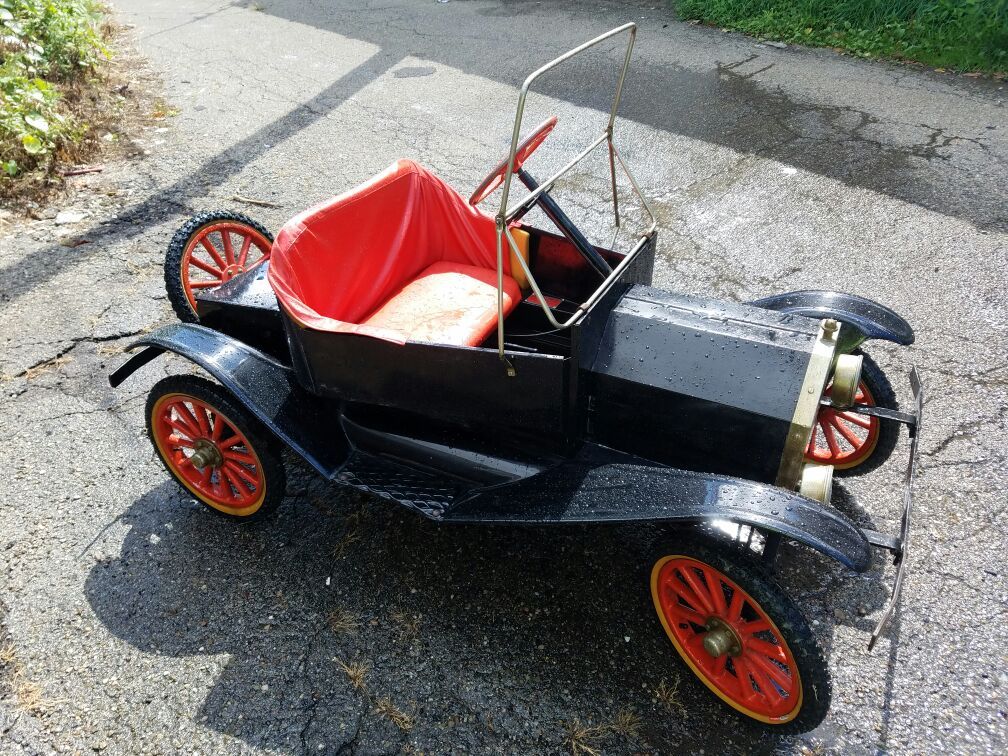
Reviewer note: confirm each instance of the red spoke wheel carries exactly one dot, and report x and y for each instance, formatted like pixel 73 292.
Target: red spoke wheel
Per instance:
pixel 847 439
pixel 209 250
pixel 214 448
pixel 740 635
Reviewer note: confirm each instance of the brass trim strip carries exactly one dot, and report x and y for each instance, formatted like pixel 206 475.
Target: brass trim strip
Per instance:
pixel 807 406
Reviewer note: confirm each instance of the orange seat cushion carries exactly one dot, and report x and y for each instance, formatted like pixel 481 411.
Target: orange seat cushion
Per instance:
pixel 448 303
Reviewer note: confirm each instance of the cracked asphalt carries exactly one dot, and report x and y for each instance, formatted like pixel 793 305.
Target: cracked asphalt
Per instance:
pixel 133 621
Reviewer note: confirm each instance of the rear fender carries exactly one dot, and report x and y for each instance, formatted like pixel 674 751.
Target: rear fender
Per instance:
pixel 265 387
pixel 864 319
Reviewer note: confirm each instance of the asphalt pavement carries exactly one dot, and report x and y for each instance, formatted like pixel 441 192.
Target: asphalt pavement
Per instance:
pixel 131 620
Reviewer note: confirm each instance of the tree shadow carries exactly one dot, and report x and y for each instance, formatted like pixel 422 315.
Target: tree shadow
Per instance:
pixel 723 106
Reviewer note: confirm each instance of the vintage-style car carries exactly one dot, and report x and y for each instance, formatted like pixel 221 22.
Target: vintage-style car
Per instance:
pixel 477 369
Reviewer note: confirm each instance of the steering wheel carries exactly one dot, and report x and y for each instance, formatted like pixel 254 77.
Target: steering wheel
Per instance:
pixel 525 149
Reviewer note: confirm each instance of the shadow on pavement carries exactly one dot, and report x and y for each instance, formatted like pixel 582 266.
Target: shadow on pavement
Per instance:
pixel 488 640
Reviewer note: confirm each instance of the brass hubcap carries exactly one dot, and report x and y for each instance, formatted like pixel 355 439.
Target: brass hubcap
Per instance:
pixel 720 639
pixel 205 454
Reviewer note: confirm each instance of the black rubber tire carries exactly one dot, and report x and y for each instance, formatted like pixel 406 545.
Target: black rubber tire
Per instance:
pixel 889 431
pixel 266 446
pixel 741 567
pixel 176 249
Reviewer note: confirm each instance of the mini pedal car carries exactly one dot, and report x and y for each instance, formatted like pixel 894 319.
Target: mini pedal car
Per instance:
pixel 477 369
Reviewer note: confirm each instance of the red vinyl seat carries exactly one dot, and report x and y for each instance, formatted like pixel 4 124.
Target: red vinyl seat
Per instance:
pixel 402 257
pixel 448 303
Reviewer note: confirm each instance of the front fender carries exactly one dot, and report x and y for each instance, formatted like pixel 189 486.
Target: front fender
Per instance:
pixel 267 388
pixel 871 319
pixel 603 485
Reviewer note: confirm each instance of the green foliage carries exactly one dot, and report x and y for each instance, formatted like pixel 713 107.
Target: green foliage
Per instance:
pixel 968 35
pixel 45 46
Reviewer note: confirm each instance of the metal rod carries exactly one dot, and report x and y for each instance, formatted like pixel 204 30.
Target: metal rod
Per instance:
pixel 504 215
pixel 520 112
pixel 548 183
pixel 612 174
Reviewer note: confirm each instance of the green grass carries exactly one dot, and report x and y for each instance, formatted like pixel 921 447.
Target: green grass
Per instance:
pixel 966 35
pixel 49 53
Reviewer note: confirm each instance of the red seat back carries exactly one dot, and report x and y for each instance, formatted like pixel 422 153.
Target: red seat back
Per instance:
pixel 336 263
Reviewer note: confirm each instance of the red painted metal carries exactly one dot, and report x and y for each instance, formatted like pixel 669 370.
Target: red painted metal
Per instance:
pixel 843 438
pixel 179 423
pixel 761 678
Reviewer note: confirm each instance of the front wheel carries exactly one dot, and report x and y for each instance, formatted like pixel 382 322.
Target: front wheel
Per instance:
pixel 214 448
pixel 740 635
pixel 853 443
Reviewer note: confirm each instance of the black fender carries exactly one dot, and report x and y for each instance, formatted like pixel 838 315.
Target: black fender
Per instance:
pixel 267 388
pixel 604 485
pixel 871 319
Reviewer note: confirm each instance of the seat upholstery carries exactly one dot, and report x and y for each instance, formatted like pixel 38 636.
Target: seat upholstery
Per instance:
pixel 448 303
pixel 338 266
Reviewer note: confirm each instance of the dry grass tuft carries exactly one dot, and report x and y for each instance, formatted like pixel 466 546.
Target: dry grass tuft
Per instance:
pixel 627 723
pixel 668 697
pixel 351 535
pixel 409 625
pixel 341 621
pixel 812 748
pixel 397 716
pixel 36 370
pixel 356 673
pixel 582 738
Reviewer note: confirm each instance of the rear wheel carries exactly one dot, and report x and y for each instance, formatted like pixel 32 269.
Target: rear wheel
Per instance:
pixel 210 249
pixel 740 634
pixel 851 442
pixel 214 448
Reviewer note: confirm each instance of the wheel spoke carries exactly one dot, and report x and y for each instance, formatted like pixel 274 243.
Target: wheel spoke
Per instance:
pixel 716 591
pixel 202 414
pixel 831 440
pixel 769 650
pixel 240 491
pixel 181 426
pixel 217 429
pixel 685 612
pixel 241 472
pixel 756 626
pixel 219 273
pixel 243 253
pixel 212 251
pixel 179 442
pixel 718 668
pixel 847 433
pixel 230 442
pixel 854 418
pixel 225 236
pixel 187 417
pixel 238 456
pixel 204 284
pixel 735 608
pixel 746 692
pixel 691 579
pixel 782 678
pixel 767 688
